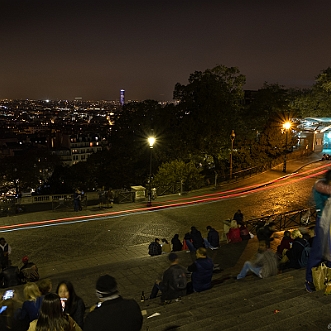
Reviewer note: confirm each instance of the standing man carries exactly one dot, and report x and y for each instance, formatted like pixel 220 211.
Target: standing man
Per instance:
pixel 173 283
pixel 113 312
pixel 4 253
pixel 321 194
pixel 202 272
pixel 239 217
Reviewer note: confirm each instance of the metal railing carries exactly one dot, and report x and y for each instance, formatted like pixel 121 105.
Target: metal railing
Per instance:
pixel 284 221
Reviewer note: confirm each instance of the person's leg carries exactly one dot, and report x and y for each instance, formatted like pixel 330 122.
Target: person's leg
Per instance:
pixel 315 254
pixel 190 246
pixel 248 266
pixel 207 244
pixel 155 291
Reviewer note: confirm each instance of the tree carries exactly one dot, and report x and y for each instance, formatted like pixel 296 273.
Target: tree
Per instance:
pixel 209 108
pixel 172 173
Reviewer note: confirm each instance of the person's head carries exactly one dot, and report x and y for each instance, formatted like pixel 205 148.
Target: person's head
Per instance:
pixel 287 234
pixel 25 259
pixel 45 286
pixel 31 291
pixel 65 289
pixel 51 316
pixel 296 234
pixel 272 226
pixel 173 258
pixel 209 227
pixel 51 306
pixel 2 241
pixel 327 176
pixel 157 240
pixel 176 236
pixel 193 229
pixel 201 253
pixel 165 241
pixel 262 246
pixel 106 287
pixel 239 211
pixel 233 224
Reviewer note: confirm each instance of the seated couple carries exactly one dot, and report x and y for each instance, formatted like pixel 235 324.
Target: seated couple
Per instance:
pixel 174 281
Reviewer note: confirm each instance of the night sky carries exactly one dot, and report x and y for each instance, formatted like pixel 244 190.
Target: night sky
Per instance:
pixel 55 49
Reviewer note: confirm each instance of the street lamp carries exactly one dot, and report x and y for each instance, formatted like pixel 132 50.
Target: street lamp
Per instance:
pixel 151 141
pixel 232 136
pixel 286 127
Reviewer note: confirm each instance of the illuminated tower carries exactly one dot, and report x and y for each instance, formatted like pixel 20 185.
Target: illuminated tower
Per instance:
pixel 122 97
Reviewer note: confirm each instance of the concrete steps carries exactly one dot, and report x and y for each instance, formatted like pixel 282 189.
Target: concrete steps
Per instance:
pixel 248 304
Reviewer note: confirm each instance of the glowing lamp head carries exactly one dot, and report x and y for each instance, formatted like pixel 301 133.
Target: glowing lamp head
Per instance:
pixel 287 125
pixel 151 141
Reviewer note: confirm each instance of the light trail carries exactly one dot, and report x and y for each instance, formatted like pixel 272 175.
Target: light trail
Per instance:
pixel 177 203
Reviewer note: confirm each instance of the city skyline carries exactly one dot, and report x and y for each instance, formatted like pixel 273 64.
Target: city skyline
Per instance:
pixel 93 49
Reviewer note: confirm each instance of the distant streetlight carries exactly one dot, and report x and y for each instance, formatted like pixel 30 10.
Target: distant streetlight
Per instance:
pixel 151 141
pixel 286 126
pixel 232 136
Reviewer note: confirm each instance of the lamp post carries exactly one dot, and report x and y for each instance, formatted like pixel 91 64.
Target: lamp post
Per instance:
pixel 151 141
pixel 232 136
pixel 286 127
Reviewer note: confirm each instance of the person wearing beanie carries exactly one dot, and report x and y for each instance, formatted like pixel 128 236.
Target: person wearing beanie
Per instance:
pixel 113 312
pixel 173 283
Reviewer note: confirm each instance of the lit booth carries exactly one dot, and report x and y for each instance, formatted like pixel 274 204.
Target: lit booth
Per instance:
pixel 139 193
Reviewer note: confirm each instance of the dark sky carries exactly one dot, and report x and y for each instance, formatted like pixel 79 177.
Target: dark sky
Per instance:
pixel 92 48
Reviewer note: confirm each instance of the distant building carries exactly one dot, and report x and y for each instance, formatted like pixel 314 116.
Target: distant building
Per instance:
pixel 122 97
pixel 75 148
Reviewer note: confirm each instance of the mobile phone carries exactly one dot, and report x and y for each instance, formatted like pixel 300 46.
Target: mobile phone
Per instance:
pixel 63 303
pixel 8 295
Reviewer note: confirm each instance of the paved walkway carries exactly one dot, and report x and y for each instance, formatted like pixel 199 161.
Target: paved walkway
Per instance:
pixel 131 266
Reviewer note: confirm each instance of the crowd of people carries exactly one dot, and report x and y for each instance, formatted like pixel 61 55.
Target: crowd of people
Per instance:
pixel 64 310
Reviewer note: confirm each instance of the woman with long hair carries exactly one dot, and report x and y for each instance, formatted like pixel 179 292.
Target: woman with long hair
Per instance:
pixel 52 317
pixel 74 305
pixel 32 303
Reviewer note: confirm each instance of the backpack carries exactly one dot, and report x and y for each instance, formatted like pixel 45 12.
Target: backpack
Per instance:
pixel 30 274
pixel 304 255
pixel 179 280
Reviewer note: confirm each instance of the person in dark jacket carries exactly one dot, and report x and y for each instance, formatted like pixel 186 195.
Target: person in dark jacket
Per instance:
pixel 155 248
pixel 202 272
pixel 213 240
pixel 239 217
pixel 113 312
pixel 168 286
pixel 265 233
pixel 176 243
pixel 74 305
pixel 196 237
pixel 295 252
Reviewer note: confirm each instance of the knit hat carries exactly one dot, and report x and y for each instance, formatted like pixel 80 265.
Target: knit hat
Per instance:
pixel 25 259
pixel 106 286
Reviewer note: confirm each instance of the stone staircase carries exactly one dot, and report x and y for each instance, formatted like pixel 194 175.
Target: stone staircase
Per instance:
pixel 275 303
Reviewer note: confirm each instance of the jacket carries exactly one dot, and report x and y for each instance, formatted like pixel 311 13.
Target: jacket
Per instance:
pixel 154 248
pixel 213 238
pixel 117 315
pixel 166 285
pixel 202 273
